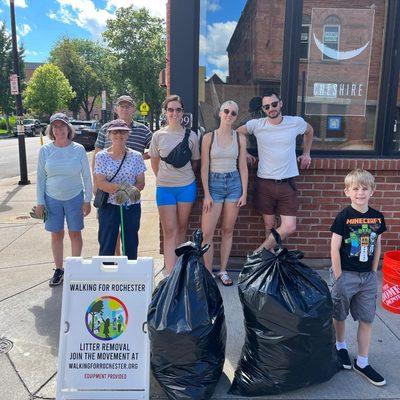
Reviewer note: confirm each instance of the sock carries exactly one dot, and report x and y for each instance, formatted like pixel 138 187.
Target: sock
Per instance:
pixel 362 362
pixel 341 345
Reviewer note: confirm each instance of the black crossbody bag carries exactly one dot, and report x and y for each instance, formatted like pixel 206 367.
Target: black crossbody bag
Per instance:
pixel 101 197
pixel 181 154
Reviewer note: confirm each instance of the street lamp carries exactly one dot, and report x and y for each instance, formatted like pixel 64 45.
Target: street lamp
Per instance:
pixel 18 104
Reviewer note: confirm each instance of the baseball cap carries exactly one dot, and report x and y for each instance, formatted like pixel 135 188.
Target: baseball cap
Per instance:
pixel 60 117
pixel 126 98
pixel 118 125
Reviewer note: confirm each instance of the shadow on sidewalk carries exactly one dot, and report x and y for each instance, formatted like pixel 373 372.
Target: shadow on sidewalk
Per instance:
pixel 4 204
pixel 47 318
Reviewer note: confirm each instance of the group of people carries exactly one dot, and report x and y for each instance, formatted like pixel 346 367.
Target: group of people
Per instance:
pixel 64 191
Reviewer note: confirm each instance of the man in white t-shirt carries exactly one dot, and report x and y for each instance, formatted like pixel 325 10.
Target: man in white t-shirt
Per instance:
pixel 275 189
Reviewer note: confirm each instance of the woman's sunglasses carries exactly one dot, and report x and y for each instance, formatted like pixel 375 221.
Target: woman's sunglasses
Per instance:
pixel 274 104
pixel 171 110
pixel 227 112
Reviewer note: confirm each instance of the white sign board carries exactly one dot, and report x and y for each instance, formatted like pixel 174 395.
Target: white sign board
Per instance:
pixel 104 350
pixel 14 84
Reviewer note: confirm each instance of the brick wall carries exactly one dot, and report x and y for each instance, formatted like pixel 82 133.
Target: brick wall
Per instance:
pixel 321 198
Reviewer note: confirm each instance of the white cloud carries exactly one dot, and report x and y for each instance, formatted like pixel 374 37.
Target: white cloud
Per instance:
pixel 87 16
pixel 213 5
pixel 17 3
pixel 23 29
pixel 157 8
pixel 213 45
pixel 31 53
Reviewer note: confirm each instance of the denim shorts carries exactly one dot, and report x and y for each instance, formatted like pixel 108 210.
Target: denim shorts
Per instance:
pixel 170 196
pixel 58 210
pixel 355 292
pixel 225 186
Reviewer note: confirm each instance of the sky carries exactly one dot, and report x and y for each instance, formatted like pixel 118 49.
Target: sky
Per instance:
pixel 40 23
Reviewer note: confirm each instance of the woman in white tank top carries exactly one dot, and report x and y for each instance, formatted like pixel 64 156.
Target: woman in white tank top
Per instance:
pixel 224 176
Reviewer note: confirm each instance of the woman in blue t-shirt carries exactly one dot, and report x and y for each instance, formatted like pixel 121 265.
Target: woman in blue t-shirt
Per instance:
pixel 64 190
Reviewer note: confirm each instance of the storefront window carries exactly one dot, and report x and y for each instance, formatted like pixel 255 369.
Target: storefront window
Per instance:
pixel 338 84
pixel 240 56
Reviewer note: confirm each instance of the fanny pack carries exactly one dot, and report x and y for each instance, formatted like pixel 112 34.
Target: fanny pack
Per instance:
pixel 181 154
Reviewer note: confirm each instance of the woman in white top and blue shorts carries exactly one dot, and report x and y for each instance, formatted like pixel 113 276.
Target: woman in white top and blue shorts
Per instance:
pixel 64 189
pixel 224 176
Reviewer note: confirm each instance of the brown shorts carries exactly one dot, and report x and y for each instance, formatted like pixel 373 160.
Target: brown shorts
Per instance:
pixel 275 197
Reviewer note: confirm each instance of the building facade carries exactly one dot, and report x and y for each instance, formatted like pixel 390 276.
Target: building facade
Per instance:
pixel 336 63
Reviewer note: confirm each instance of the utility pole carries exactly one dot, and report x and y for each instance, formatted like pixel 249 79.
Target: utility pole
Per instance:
pixel 18 105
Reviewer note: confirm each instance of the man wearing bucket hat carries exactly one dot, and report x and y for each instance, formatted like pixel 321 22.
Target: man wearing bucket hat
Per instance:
pixel 64 189
pixel 119 171
pixel 355 253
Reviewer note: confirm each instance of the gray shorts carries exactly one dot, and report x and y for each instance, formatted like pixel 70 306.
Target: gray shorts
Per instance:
pixel 355 292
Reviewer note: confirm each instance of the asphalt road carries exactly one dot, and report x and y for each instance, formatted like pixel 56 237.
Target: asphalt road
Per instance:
pixel 9 156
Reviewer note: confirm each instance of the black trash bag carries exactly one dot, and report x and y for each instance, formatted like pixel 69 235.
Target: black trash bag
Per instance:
pixel 187 327
pixel 288 320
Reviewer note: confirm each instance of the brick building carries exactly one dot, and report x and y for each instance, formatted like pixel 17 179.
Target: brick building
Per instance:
pixel 336 63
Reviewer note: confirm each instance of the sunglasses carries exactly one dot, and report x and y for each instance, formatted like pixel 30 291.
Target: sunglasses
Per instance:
pixel 227 112
pixel 274 104
pixel 171 110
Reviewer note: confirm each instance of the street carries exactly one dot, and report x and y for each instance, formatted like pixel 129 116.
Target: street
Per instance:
pixel 9 158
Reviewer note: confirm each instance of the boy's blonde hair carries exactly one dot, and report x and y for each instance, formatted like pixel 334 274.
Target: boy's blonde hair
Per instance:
pixel 359 177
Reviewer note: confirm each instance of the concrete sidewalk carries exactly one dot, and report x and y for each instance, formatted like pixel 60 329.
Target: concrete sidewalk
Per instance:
pixel 30 310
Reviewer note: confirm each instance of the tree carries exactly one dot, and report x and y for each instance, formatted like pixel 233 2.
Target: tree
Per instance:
pixel 96 309
pixel 82 62
pixel 137 42
pixel 48 91
pixel 7 100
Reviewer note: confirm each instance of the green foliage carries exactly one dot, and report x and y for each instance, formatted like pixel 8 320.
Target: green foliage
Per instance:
pixel 7 101
pixel 137 42
pixel 48 91
pixel 83 63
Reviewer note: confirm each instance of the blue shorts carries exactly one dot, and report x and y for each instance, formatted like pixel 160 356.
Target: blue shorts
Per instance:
pixel 57 210
pixel 169 196
pixel 225 186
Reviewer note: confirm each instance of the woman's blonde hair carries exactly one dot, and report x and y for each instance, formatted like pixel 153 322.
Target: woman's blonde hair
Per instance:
pixel 229 103
pixel 359 177
pixel 50 134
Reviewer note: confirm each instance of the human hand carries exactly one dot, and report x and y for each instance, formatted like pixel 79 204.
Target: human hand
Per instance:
pixel 38 210
pixel 86 209
pixel 305 160
pixel 251 160
pixel 207 203
pixel 127 193
pixel 242 201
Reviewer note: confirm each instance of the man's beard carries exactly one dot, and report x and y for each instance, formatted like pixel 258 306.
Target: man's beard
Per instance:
pixel 278 114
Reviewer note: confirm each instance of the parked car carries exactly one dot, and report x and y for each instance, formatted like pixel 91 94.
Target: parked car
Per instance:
pixel 86 133
pixel 32 127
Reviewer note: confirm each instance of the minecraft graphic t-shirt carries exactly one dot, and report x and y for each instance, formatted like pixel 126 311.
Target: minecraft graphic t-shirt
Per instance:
pixel 359 233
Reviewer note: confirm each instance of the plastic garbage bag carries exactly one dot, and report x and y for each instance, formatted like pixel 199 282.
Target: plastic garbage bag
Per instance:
pixel 187 327
pixel 288 321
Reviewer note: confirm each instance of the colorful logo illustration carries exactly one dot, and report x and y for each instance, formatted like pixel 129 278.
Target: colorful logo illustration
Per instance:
pixel 106 318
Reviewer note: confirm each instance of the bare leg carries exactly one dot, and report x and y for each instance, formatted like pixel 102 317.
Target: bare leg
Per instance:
pixel 340 330
pixel 287 227
pixel 364 338
pixel 230 214
pixel 169 223
pixel 209 221
pixel 269 223
pixel 57 246
pixel 184 210
pixel 76 243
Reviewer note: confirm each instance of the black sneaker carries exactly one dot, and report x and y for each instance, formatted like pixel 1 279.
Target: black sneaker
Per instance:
pixel 57 277
pixel 369 373
pixel 344 359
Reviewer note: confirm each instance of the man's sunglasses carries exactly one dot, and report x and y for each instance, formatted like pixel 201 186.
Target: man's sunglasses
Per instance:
pixel 274 104
pixel 226 111
pixel 171 110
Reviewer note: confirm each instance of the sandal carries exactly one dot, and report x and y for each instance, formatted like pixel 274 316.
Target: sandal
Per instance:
pixel 225 278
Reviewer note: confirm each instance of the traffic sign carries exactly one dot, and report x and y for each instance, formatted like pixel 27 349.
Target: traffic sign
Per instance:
pixel 14 84
pixel 144 107
pixel 104 347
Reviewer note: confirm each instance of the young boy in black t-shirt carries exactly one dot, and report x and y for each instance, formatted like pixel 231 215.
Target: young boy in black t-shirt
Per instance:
pixel 355 252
